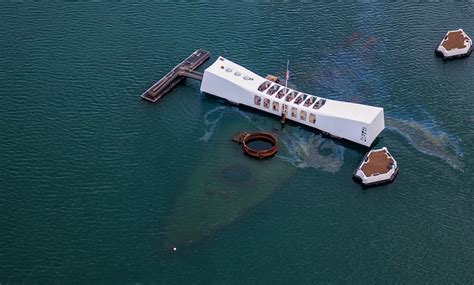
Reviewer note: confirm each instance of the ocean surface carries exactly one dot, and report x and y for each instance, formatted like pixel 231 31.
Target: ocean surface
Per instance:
pixel 98 186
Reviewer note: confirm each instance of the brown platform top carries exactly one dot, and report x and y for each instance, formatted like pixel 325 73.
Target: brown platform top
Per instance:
pixel 454 40
pixel 377 162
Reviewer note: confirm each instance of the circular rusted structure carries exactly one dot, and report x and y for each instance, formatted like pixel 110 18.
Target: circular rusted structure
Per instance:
pixel 267 137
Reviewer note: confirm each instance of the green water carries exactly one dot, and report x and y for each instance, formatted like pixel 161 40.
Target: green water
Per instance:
pixel 96 183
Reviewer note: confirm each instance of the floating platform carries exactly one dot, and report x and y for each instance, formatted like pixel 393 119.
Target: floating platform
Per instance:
pixel 455 44
pixel 377 167
pixel 184 69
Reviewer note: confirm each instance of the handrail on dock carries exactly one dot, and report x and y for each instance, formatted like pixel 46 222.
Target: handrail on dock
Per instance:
pixel 190 73
pixel 184 69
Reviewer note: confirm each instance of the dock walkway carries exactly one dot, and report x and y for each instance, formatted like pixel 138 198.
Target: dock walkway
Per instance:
pixel 185 69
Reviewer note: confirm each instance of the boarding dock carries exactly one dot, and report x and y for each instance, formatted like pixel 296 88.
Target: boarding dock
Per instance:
pixel 185 69
pixel 455 44
pixel 377 167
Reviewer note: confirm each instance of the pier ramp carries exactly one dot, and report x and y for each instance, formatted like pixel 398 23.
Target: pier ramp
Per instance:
pixel 184 69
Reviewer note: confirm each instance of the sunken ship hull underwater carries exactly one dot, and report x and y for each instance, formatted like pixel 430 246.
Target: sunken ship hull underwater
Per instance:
pixel 223 187
pixel 354 122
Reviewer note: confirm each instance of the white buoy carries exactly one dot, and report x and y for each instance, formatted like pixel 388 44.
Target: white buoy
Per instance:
pixel 174 248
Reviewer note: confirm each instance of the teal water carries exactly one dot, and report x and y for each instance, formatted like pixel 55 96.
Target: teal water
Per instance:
pixel 95 182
